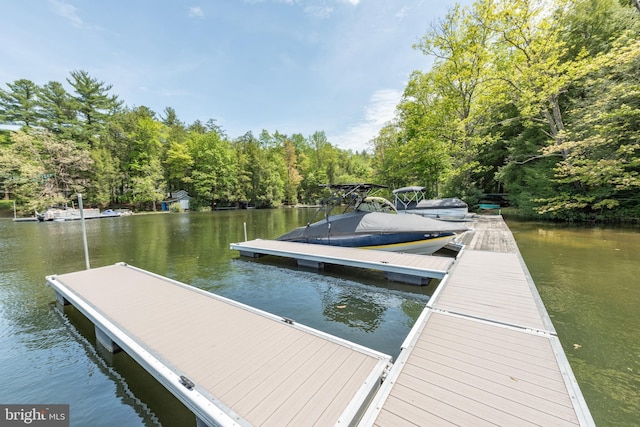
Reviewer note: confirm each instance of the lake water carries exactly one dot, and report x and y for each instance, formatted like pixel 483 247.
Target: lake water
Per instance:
pixel 589 279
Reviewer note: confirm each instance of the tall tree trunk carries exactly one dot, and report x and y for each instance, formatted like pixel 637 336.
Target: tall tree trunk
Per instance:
pixel 556 124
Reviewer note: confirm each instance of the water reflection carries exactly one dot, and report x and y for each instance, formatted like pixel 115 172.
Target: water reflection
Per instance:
pixel 354 309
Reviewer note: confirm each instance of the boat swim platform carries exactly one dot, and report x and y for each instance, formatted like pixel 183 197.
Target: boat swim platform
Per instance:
pixel 230 364
pixel 400 267
pixel 484 350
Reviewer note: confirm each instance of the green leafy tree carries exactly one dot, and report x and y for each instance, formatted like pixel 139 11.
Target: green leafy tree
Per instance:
pixel 44 169
pixel 149 187
pixel 106 178
pixel 603 160
pixel 293 177
pixel 213 172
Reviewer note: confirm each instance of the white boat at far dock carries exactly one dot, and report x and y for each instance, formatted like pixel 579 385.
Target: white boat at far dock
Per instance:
pixel 414 200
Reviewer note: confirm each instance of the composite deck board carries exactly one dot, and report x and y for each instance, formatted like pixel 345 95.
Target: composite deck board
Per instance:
pixel 266 371
pixel 488 382
pixel 494 336
pixel 491 286
pixel 411 264
pixel 484 351
pixel 489 233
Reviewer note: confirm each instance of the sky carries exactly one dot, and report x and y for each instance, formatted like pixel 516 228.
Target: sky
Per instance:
pixel 292 66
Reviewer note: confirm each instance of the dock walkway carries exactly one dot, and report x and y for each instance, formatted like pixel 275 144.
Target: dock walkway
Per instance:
pixel 416 269
pixel 484 351
pixel 230 364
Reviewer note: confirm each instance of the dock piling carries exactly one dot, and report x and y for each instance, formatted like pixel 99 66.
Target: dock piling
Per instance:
pixel 84 233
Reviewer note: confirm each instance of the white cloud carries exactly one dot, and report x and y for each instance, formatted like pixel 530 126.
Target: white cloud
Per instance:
pixel 196 12
pixel 379 111
pixel 67 11
pixel 402 13
pixel 318 11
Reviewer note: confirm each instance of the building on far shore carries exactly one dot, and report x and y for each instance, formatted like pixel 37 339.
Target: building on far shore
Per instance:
pixel 181 197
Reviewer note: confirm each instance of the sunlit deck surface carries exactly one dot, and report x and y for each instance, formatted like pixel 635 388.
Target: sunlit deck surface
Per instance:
pixel 419 266
pixel 484 351
pixel 247 367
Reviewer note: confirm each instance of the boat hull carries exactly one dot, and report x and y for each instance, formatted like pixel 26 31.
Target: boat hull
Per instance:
pixel 378 230
pixel 415 243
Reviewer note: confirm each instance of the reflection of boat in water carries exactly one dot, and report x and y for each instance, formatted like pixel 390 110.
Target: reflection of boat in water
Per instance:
pixel 373 223
pixel 413 200
pixel 71 214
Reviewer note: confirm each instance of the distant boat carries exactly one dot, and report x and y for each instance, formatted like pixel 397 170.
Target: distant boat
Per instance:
pixel 373 223
pixel 71 214
pixel 413 200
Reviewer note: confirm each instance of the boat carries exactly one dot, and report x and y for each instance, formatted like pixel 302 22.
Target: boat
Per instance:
pixel 371 222
pixel 414 200
pixel 60 214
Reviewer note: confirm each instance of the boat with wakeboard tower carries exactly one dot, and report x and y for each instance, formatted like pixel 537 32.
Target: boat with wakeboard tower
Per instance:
pixel 414 200
pixel 372 222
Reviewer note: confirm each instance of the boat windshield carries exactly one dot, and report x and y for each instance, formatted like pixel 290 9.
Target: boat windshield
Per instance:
pixel 376 204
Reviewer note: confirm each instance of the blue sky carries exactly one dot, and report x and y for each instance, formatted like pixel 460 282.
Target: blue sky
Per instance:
pixel 295 66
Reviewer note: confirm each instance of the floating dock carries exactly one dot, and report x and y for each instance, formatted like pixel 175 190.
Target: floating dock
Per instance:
pixel 483 351
pixel 230 364
pixel 409 268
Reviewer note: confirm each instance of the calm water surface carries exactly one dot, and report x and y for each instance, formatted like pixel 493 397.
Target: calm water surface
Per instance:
pixel 588 278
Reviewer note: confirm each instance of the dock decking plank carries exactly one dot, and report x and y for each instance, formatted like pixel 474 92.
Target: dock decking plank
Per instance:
pixel 409 264
pixel 484 351
pixel 205 338
pixel 491 286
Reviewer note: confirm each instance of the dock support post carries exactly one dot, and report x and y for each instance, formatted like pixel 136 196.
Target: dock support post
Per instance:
pixel 104 340
pixel 407 278
pixel 250 254
pixel 310 263
pixel 84 232
pixel 62 301
pixel 200 423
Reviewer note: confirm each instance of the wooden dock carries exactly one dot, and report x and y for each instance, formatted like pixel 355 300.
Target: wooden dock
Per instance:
pixel 230 364
pixel 409 268
pixel 484 351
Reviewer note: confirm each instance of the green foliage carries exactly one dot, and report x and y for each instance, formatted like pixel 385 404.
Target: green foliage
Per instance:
pixel 536 99
pixel 175 207
pixel 603 163
pixel 40 169
pixel 19 105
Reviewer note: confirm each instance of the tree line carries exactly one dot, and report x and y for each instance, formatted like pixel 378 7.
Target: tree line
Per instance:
pixel 538 99
pixel 86 141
